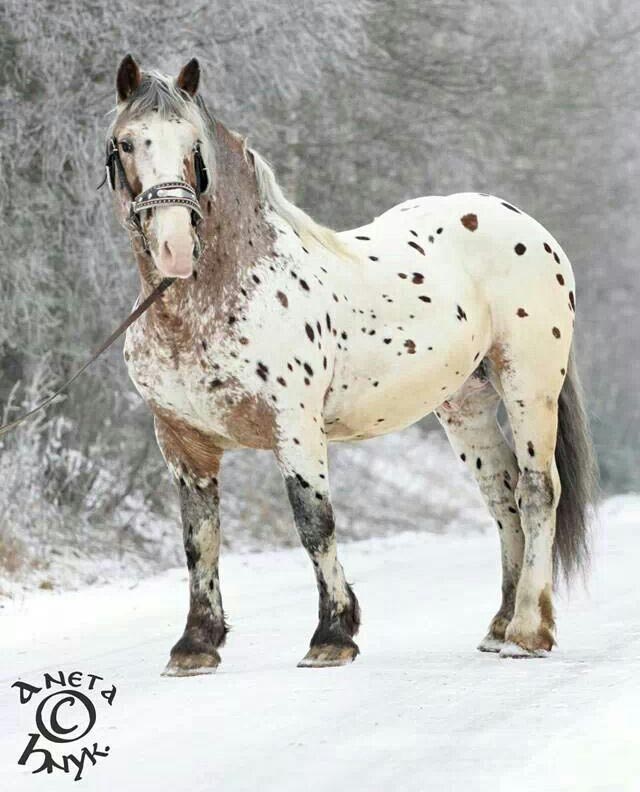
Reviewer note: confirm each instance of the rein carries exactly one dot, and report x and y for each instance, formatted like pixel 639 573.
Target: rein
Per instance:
pixel 133 316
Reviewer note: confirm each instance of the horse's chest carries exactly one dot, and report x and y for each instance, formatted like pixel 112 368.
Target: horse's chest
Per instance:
pixel 166 377
pixel 202 384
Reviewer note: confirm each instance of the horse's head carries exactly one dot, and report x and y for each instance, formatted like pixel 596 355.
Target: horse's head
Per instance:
pixel 156 162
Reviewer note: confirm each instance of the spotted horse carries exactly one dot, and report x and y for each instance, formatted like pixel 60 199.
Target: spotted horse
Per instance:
pixel 280 334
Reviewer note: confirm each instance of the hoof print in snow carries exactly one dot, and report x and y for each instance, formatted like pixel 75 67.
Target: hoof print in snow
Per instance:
pixel 326 656
pixel 513 650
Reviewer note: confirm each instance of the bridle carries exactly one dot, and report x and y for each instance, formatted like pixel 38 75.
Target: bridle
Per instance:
pixel 170 193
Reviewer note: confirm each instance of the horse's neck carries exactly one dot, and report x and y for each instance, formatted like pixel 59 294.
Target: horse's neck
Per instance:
pixel 234 232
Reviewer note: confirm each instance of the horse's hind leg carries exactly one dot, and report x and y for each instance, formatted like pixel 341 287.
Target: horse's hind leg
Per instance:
pixel 303 463
pixel 531 377
pixel 469 419
pixel 534 421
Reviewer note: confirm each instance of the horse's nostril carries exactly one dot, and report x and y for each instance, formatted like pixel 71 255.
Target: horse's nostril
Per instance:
pixel 175 256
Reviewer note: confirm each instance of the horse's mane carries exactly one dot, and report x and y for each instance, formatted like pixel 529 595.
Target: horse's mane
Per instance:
pixel 158 93
pixel 306 227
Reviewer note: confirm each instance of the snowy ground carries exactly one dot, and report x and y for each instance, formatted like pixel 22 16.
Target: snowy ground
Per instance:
pixel 419 709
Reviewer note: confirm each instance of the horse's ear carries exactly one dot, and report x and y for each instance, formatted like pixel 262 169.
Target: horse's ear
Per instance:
pixel 128 79
pixel 189 77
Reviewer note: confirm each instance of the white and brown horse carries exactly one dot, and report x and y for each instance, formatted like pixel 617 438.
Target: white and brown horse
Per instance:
pixel 281 334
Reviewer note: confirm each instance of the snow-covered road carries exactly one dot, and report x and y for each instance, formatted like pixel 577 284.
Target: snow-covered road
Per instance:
pixel 420 709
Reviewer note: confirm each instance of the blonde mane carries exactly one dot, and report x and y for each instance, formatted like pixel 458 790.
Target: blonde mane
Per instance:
pixel 308 230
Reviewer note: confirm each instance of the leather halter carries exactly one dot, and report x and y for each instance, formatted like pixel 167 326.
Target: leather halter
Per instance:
pixel 171 193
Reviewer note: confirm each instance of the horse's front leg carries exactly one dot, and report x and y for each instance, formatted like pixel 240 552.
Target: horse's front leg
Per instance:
pixel 197 650
pixel 197 477
pixel 303 463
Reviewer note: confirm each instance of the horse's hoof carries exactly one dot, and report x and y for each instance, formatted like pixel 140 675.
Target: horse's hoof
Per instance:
pixel 192 665
pixel 490 644
pixel 515 651
pixel 326 655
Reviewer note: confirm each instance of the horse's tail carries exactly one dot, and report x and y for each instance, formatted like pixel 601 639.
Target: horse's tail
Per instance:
pixel 578 469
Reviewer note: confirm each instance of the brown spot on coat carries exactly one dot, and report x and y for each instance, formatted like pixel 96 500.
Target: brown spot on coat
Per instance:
pixel 184 446
pixel 470 221
pixel 251 423
pixel 499 357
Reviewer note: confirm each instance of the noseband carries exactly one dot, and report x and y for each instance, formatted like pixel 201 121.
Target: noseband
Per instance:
pixel 171 193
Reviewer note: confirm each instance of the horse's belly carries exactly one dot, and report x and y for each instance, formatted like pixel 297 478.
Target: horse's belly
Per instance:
pixel 420 369
pixel 397 406
pixel 400 398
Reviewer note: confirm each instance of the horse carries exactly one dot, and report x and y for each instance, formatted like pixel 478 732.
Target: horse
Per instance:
pixel 278 333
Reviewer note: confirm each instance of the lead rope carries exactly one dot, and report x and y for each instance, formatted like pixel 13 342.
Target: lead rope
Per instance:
pixel 135 314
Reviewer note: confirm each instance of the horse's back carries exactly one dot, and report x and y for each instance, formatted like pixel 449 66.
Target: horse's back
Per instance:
pixel 485 247
pixel 483 227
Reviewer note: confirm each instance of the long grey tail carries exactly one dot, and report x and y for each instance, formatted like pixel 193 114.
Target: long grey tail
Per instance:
pixel 578 471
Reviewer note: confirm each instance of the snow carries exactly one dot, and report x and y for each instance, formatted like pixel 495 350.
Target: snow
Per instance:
pixel 419 709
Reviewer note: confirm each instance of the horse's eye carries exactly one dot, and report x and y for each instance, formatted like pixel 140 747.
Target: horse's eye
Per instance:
pixel 126 146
